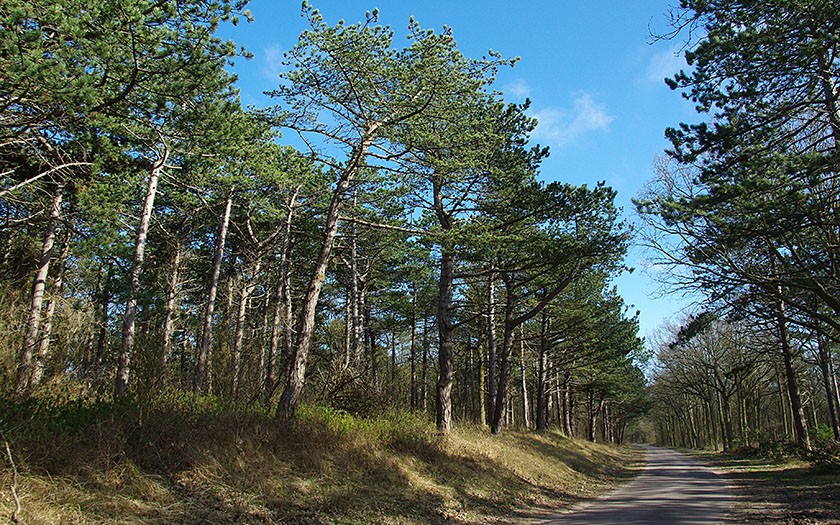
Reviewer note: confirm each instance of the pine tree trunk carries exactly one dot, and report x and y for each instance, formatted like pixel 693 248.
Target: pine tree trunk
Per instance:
pixel 413 349
pixel 505 365
pixel 568 405
pixel 542 377
pixel 171 306
pixel 104 300
pixel 30 338
pixel 424 369
pixel 202 376
pixel 482 382
pixel 526 409
pixel 824 361
pixel 306 324
pixel 491 346
pixel 130 316
pixel 443 399
pixel 58 288
pixel 799 426
pixel 446 280
pixel 282 315
pixel 241 323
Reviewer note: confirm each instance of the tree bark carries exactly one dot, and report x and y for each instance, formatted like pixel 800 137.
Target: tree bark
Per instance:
pixel 542 377
pixel 491 346
pixel 58 289
pixel 526 409
pixel 30 338
pixel 413 348
pixel 505 365
pixel 306 325
pixel 130 318
pixel 202 376
pixel 443 399
pixel 104 300
pixel 282 307
pixel 446 279
pixel 824 361
pixel 171 306
pixel 799 426
pixel 241 322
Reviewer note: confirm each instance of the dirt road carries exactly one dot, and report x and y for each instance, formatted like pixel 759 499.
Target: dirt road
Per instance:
pixel 671 489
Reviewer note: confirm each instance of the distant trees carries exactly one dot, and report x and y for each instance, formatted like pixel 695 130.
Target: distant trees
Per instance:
pixel 168 239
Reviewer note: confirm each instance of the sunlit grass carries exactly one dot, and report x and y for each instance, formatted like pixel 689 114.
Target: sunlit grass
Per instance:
pixel 182 459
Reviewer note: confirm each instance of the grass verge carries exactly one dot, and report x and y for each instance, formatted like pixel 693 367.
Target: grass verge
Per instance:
pixel 780 490
pixel 186 459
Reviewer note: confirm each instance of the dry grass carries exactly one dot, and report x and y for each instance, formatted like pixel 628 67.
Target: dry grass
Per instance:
pixel 783 490
pixel 185 460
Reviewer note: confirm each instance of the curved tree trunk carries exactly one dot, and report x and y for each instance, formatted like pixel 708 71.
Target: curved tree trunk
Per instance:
pixel 58 288
pixel 306 324
pixel 30 337
pixel 129 321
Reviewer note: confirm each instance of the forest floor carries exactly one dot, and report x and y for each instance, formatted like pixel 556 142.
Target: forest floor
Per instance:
pixel 786 491
pixel 182 459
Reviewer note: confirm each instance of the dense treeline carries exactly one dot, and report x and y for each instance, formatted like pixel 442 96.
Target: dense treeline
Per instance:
pixel 406 254
pixel 745 211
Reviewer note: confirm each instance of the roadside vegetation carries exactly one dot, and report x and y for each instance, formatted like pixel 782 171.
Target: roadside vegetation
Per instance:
pixel 776 486
pixel 181 458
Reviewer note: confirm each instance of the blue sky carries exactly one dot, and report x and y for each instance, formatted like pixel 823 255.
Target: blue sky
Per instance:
pixel 595 81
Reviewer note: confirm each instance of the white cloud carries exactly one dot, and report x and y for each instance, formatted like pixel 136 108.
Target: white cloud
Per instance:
pixel 561 127
pixel 518 90
pixel 665 64
pixel 271 62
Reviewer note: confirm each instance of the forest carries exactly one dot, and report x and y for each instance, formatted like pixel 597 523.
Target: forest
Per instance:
pixel 743 210
pixel 382 239
pixel 158 236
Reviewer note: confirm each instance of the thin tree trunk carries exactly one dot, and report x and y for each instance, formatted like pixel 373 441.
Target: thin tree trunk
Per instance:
pixel 171 306
pixel 30 338
pixel 799 427
pixel 526 409
pixel 505 365
pixel 413 348
pixel 443 398
pixel 282 307
pixel 58 289
pixel 424 369
pixel 491 346
pixel 306 325
pixel 241 323
pixel 482 382
pixel 824 354
pixel 130 318
pixel 103 300
pixel 542 376
pixel 568 405
pixel 357 327
pixel 202 376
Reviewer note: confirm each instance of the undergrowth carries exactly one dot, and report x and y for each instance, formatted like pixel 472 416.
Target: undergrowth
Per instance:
pixel 183 458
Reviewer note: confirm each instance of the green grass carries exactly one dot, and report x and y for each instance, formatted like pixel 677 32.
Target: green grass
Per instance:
pixel 186 459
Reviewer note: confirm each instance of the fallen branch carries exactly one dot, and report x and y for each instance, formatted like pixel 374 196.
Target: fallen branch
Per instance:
pixel 15 513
